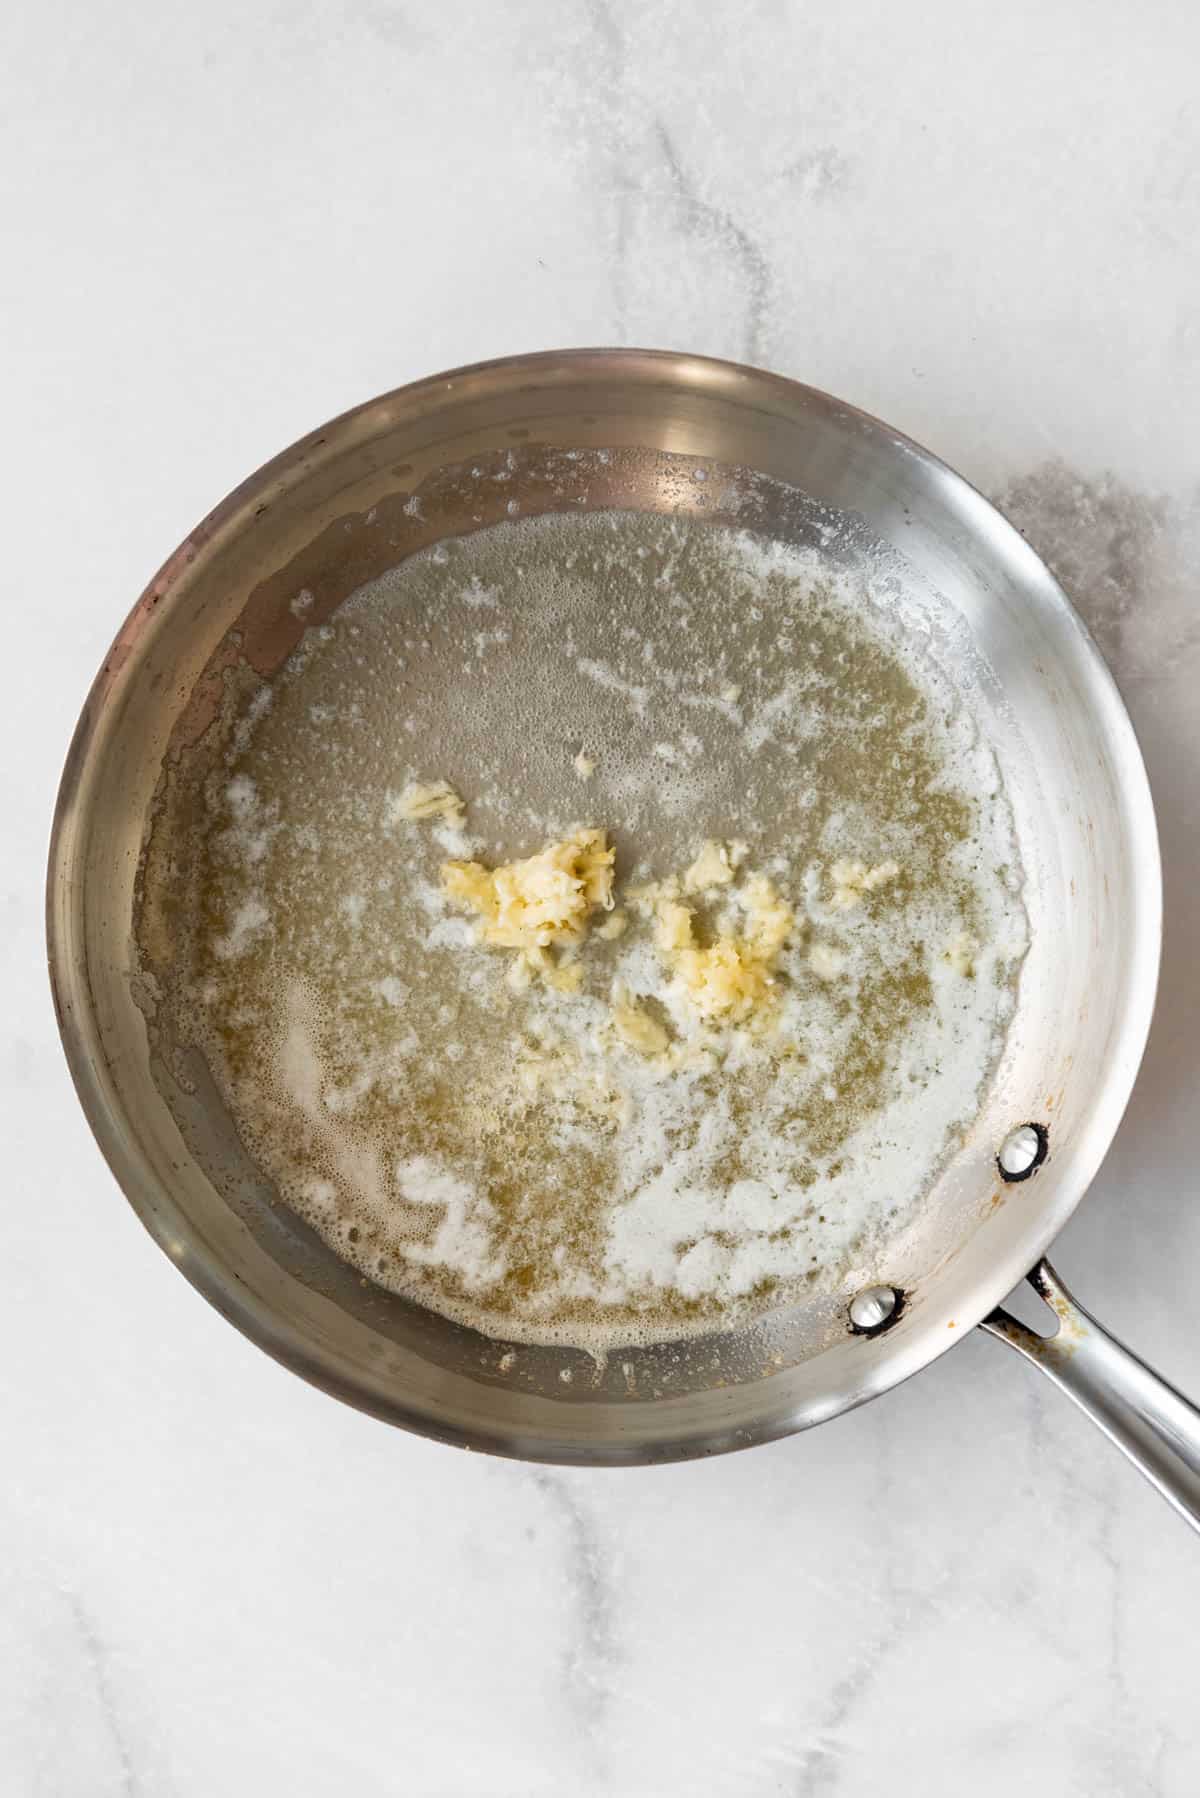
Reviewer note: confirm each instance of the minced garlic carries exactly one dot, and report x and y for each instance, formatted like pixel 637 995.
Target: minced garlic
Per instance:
pixel 713 867
pixel 431 799
pixel 543 908
pixel 731 977
pixel 853 879
pixel 634 1025
pixel 546 901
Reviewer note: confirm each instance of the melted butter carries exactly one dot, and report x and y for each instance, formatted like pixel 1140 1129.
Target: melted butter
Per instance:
pixel 530 1159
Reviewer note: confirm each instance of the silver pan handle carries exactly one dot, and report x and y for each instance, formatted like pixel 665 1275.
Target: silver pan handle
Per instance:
pixel 1148 1420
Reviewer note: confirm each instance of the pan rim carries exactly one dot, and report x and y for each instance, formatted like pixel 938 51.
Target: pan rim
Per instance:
pixel 736 381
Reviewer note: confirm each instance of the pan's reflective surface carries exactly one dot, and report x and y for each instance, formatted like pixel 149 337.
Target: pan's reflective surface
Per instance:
pixel 335 511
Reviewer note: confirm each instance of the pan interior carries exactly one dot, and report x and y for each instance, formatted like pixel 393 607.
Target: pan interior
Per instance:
pixel 511 1153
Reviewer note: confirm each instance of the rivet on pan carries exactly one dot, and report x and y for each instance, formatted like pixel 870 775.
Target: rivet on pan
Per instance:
pixel 874 1308
pixel 1022 1152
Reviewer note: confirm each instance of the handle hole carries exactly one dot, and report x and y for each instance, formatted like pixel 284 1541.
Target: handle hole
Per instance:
pixel 1022 1152
pixel 1029 1308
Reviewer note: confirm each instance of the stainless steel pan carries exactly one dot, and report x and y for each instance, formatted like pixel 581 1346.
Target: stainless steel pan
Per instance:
pixel 334 511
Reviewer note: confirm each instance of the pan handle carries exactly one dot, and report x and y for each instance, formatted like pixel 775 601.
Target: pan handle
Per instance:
pixel 1148 1420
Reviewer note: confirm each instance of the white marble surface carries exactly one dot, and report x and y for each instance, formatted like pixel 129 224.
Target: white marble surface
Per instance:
pixel 225 223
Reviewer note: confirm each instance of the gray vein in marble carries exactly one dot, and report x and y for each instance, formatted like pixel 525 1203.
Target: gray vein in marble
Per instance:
pixel 97 1659
pixel 612 77
pixel 590 1652
pixel 819 1763
pixel 699 214
pixel 699 218
pixel 1113 1748
pixel 1086 1484
pixel 820 1766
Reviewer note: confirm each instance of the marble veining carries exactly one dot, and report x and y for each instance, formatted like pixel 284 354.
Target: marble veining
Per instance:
pixel 590 1649
pixel 236 221
pixel 95 1658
